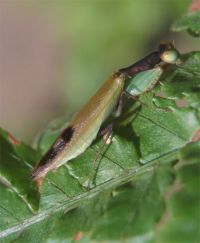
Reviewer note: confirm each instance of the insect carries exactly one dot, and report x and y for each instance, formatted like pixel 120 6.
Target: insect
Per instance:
pixel 80 132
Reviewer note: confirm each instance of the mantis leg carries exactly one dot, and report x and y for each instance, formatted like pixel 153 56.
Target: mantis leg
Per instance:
pixel 121 102
pixel 133 97
pixel 106 133
pixel 136 98
pixel 119 107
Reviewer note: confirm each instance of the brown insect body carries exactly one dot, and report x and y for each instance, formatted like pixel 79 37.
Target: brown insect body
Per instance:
pixel 83 128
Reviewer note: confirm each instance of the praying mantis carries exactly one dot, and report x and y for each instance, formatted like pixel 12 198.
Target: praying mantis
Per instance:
pixel 107 102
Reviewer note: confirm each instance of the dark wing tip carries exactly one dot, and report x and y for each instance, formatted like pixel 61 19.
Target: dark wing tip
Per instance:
pixel 45 163
pixel 36 174
pixel 39 172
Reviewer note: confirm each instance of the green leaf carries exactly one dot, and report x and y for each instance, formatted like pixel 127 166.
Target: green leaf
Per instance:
pixel 130 193
pixel 16 164
pixel 189 22
pixel 182 222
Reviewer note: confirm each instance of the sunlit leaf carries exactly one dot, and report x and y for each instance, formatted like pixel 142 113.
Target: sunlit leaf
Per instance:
pixel 189 22
pixel 139 190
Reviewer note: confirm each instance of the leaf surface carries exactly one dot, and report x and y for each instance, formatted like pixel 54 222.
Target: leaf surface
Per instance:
pixel 128 192
pixel 189 22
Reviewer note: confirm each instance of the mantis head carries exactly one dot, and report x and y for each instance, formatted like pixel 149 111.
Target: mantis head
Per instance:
pixel 169 54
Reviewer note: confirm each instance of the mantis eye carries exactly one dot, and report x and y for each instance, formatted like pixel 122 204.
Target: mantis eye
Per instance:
pixel 171 56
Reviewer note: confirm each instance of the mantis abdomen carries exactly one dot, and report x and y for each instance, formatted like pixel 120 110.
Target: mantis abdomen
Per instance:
pixel 83 128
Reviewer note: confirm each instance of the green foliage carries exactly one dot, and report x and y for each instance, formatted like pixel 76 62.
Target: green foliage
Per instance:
pixel 15 172
pixel 189 22
pixel 144 187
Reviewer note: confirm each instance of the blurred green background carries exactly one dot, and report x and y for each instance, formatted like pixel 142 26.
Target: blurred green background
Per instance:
pixel 55 54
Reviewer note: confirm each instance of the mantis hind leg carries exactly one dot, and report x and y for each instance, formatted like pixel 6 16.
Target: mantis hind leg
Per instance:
pixel 107 135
